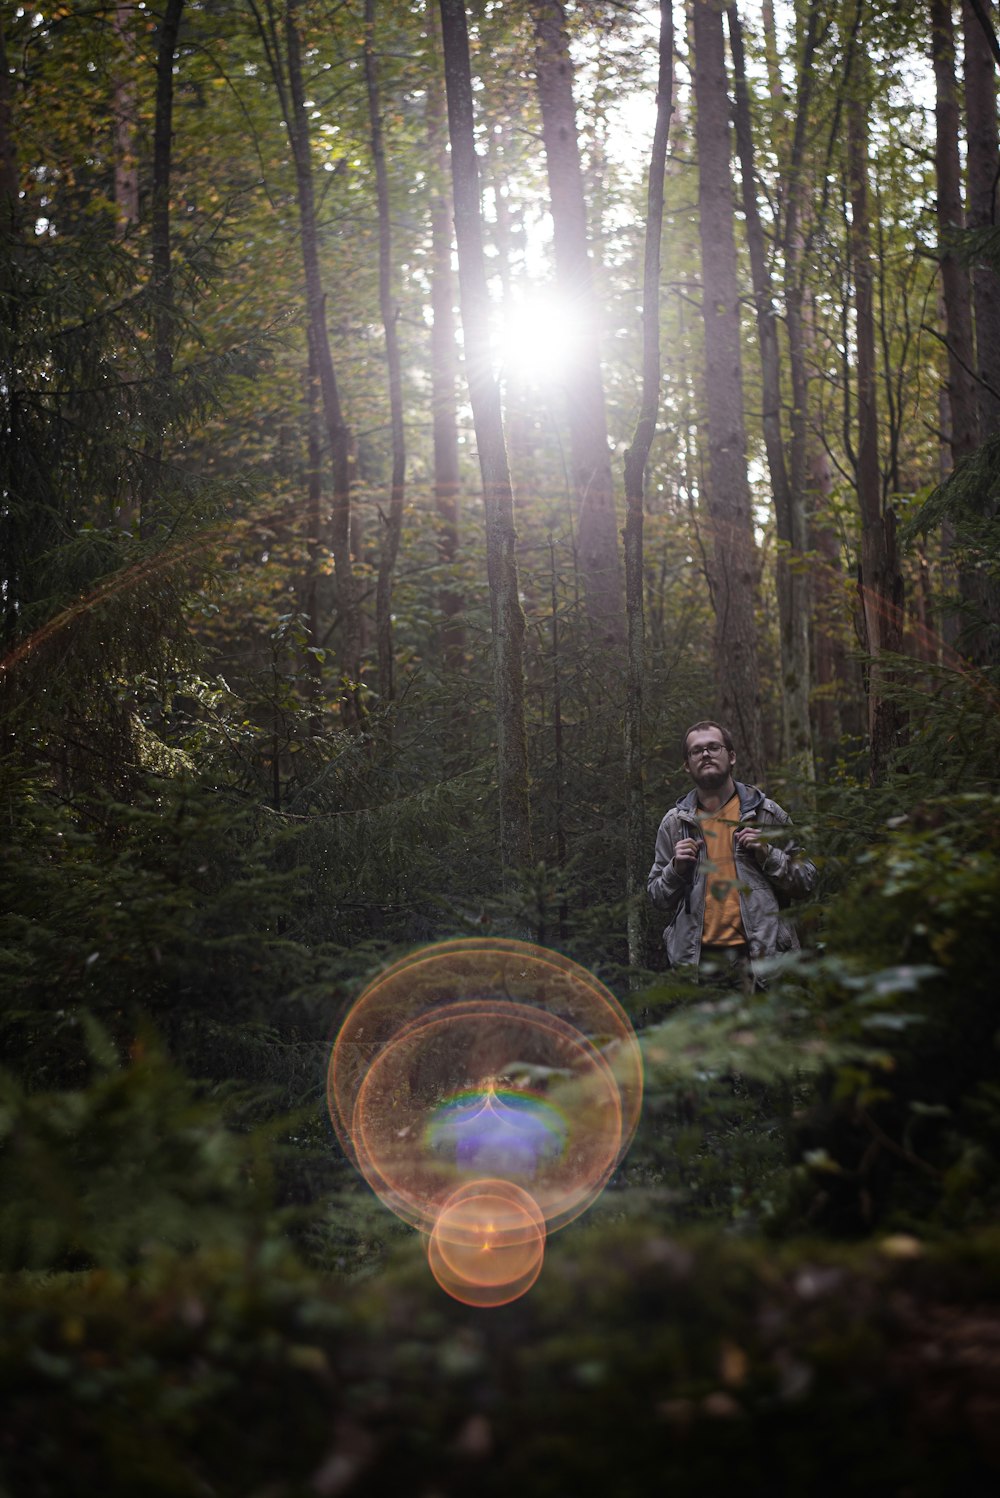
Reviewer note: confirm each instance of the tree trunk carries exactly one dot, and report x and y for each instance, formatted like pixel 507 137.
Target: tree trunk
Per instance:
pixel 794 610
pixel 125 122
pixel 963 414
pixel 734 580
pixel 314 542
pixel 11 558
pixel 9 175
pixel 960 398
pixel 390 314
pixel 444 357
pixel 978 23
pixel 501 559
pixel 520 407
pixel 162 285
pixel 636 458
pixel 880 582
pixel 559 759
pixel 590 454
pixel 828 663
pixel 983 167
pixel 795 253
pixel 140 506
pixel 287 75
pixel 774 84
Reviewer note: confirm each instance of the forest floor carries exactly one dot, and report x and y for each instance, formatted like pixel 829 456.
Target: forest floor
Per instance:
pixel 639 1363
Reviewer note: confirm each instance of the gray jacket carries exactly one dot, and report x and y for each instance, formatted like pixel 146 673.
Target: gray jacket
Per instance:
pixel 766 880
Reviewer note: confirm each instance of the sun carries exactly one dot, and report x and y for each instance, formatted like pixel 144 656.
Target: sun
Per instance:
pixel 539 339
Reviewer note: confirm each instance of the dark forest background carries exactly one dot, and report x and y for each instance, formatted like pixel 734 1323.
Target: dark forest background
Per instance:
pixel 413 417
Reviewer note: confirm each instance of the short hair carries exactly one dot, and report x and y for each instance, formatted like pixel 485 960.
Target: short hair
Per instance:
pixel 724 734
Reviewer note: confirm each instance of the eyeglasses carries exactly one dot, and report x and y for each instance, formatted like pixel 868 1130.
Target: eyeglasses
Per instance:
pixel 710 748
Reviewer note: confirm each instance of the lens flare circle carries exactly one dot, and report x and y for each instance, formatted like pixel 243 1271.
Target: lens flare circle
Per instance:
pixel 480 968
pixel 484 1060
pixel 396 1106
pixel 488 1243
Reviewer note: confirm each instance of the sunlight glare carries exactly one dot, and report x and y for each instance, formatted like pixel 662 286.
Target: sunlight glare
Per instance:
pixel 539 339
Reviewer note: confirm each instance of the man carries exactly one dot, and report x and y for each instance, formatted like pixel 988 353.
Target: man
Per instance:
pixel 718 874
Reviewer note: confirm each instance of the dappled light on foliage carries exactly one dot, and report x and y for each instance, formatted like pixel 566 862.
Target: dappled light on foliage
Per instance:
pixel 473 1067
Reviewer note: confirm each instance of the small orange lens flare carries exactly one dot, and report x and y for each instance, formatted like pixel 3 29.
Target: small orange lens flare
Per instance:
pixel 489 1234
pixel 487 1245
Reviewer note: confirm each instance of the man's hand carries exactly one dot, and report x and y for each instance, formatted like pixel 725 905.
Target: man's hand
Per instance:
pixel 686 856
pixel 750 841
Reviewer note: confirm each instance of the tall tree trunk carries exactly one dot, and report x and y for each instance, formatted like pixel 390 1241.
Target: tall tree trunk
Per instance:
pixel 828 663
pixel 337 433
pixel 734 580
pixel 163 289
pixel 795 254
pixel 519 407
pixel 880 582
pixel 559 759
pixel 444 356
pixel 982 200
pixel 390 315
pixel 960 398
pixel 286 70
pixel 774 84
pixel 9 175
pixel 125 116
pixel 11 557
pixel 794 610
pixel 590 454
pixel 162 283
pixel 963 415
pixel 636 458
pixel 978 24
pixel 314 541
pixel 501 558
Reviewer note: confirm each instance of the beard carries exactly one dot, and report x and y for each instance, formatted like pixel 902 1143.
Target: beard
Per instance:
pixel 712 777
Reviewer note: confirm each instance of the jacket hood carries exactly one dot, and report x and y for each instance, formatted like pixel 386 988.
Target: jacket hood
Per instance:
pixel 751 796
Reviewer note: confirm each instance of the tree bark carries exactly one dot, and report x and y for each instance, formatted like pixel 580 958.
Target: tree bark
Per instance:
pixel 519 405
pixel 162 283
pixel 880 582
pixel 774 85
pixel 590 454
pixel 961 396
pixel 963 415
pixel 828 663
pixel 794 610
pixel 390 314
pixel 982 167
pixel 314 541
pixel 11 557
pixel 501 558
pixel 9 174
pixel 981 591
pixel 444 356
pixel 636 458
pixel 733 568
pixel 163 291
pixel 286 70
pixel 125 116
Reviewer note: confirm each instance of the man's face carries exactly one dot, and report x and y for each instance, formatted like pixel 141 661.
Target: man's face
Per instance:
pixel 709 762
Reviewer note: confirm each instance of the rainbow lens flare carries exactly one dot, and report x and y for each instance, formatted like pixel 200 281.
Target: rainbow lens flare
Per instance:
pixel 486 1090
